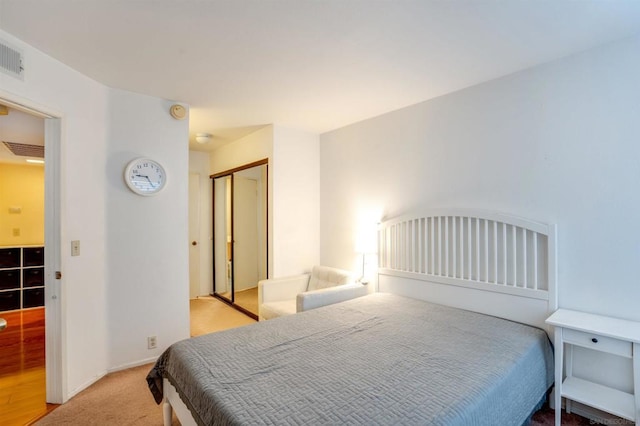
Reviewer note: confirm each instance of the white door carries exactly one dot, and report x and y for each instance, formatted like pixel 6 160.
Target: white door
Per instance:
pixel 194 235
pixel 54 312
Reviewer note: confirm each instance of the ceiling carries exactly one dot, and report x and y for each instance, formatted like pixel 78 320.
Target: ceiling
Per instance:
pixel 314 65
pixel 19 127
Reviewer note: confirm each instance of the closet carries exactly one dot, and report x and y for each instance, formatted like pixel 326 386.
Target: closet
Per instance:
pixel 240 254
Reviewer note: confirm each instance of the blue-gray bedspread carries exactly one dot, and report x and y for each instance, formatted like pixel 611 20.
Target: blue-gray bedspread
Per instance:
pixel 376 360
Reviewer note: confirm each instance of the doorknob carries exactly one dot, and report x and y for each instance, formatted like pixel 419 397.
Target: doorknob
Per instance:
pixel 194 243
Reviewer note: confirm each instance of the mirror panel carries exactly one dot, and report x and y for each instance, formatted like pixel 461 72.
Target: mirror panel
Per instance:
pixel 250 235
pixel 222 262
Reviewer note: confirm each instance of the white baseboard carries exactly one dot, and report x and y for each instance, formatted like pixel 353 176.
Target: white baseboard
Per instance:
pixel 110 370
pixel 85 385
pixel 133 364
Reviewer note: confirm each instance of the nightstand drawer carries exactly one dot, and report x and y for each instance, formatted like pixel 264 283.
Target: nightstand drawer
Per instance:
pixel 596 342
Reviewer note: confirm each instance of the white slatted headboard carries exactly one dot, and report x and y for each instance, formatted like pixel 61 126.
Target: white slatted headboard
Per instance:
pixel 486 262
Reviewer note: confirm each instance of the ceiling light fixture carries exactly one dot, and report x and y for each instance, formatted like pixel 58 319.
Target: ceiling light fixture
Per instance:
pixel 29 160
pixel 203 138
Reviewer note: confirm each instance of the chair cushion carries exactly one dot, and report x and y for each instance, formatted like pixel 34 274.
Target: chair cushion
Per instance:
pixel 325 277
pixel 328 296
pixel 278 309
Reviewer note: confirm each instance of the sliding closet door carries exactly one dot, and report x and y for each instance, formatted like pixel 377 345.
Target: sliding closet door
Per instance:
pixel 222 237
pixel 245 220
pixel 240 235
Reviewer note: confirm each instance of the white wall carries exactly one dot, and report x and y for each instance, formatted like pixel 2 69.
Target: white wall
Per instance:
pixel 147 250
pixel 293 192
pixel 296 212
pixel 557 143
pixel 82 103
pixel 251 148
pixel 112 295
pixel 199 163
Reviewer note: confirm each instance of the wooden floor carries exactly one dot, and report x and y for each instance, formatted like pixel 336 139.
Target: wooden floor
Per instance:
pixel 22 368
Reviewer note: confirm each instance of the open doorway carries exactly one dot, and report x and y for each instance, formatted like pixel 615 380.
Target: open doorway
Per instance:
pixel 53 324
pixel 22 265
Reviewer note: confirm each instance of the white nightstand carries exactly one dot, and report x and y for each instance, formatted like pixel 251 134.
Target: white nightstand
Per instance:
pixel 600 333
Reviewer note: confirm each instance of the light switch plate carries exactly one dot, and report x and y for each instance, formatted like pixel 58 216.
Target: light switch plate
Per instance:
pixel 75 248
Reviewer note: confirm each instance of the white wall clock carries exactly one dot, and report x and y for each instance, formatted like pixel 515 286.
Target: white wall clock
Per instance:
pixel 145 176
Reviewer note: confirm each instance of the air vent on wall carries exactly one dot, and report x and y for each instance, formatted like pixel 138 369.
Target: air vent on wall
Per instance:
pixel 25 150
pixel 11 61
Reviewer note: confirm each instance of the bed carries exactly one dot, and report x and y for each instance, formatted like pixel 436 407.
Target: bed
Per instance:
pixel 454 336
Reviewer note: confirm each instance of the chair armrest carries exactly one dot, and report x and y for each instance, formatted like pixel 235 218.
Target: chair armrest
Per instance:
pixel 285 288
pixel 328 296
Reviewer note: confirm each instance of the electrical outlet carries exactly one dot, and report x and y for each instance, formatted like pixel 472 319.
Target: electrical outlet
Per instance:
pixel 16 232
pixel 152 342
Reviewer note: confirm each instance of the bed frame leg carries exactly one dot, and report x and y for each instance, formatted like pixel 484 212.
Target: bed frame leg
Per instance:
pixel 167 412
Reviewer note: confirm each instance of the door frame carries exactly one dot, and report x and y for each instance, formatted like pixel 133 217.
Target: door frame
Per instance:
pixel 55 355
pixel 230 172
pixel 194 177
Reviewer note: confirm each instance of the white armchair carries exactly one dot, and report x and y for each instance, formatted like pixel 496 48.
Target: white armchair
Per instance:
pixel 323 286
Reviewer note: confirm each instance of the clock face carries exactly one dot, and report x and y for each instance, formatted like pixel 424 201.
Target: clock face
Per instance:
pixel 144 176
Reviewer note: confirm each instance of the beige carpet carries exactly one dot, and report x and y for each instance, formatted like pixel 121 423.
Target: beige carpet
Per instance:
pixel 120 398
pixel 209 315
pixel 247 299
pixel 123 398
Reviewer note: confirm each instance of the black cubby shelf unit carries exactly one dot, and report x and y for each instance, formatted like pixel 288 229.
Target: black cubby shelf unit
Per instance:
pixel 21 277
